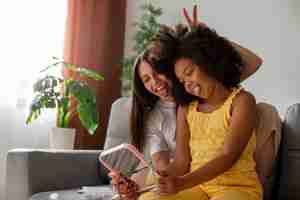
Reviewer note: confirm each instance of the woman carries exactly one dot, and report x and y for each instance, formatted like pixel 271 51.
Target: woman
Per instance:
pixel 153 115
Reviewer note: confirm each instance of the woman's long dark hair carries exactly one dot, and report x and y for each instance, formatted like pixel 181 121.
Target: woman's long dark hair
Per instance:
pixel 142 103
pixel 159 54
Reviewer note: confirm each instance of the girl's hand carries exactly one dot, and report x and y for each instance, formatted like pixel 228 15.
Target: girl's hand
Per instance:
pixel 169 185
pixel 126 187
pixel 192 22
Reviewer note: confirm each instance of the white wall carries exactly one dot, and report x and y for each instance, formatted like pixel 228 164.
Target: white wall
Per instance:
pixel 31 33
pixel 271 28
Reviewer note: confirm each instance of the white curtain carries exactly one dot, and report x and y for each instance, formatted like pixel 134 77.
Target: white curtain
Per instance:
pixel 31 33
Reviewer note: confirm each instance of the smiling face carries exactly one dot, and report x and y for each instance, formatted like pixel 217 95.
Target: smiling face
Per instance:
pixel 196 81
pixel 155 83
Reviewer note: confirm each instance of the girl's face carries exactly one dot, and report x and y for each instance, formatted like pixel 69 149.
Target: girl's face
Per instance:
pixel 155 83
pixel 196 81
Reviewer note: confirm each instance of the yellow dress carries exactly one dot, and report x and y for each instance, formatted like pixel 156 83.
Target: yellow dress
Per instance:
pixel 208 132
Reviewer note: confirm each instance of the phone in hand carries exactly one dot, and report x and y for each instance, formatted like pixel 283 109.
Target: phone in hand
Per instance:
pixel 125 159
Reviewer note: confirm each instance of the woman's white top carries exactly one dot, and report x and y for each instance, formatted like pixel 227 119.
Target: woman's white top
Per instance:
pixel 160 128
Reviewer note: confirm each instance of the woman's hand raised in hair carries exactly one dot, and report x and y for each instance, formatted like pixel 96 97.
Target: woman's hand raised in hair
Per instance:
pixel 126 187
pixel 192 21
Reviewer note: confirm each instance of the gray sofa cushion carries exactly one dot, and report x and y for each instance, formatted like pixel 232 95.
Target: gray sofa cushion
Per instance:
pixel 118 126
pixel 40 170
pixel 289 176
pixel 270 185
pixel 97 193
pixel 118 130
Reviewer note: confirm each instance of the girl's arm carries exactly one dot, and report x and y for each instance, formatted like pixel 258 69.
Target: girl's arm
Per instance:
pixel 242 123
pixel 181 163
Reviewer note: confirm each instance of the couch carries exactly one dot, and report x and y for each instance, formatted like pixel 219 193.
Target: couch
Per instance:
pixel 42 174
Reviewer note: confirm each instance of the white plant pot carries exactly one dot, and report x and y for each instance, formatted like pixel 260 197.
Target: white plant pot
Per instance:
pixel 61 138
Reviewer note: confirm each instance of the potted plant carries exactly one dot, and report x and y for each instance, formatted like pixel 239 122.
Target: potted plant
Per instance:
pixel 57 92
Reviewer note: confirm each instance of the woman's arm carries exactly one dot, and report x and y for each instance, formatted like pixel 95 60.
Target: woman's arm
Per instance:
pixel 251 60
pixel 181 163
pixel 161 160
pixel 242 123
pixel 140 177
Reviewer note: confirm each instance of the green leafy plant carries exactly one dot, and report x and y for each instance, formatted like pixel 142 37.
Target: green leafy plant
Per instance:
pixel 146 27
pixel 55 92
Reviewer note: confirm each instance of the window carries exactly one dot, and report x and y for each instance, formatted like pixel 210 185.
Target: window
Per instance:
pixel 31 33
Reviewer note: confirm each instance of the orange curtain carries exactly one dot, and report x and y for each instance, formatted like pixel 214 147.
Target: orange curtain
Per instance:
pixel 94 37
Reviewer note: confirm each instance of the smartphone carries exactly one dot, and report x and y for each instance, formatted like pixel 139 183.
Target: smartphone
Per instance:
pixel 125 159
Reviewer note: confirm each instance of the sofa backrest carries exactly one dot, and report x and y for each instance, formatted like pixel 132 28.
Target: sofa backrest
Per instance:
pixel 289 168
pixel 118 131
pixel 118 126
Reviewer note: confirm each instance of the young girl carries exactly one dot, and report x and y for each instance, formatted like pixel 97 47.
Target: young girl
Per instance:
pixel 215 137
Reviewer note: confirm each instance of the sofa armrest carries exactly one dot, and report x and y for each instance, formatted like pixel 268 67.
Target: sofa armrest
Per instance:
pixel 29 171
